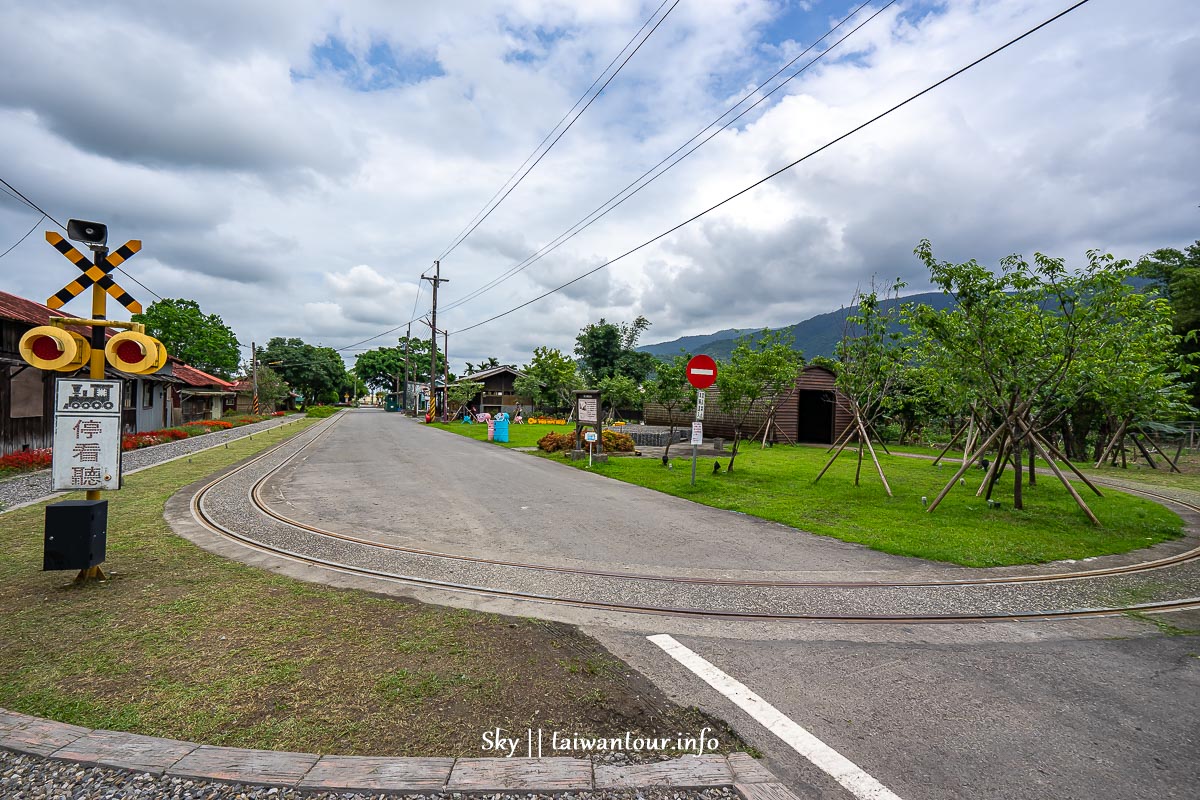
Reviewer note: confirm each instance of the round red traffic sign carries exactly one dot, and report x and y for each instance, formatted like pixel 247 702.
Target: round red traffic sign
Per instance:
pixel 702 371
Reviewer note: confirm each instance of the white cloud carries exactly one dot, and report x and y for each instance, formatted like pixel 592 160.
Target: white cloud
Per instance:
pixel 303 207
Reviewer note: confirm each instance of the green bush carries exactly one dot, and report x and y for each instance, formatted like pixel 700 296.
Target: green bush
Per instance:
pixel 321 412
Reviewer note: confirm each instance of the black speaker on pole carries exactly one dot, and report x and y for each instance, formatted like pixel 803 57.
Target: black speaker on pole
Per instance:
pixel 76 534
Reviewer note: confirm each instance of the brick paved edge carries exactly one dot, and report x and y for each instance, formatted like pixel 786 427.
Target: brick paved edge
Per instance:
pixel 149 754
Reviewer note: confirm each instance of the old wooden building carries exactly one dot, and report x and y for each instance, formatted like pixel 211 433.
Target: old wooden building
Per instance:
pixel 812 412
pixel 497 394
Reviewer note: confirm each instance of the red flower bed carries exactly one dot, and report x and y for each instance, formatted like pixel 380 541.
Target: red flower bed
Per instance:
pixel 212 423
pixel 26 460
pixel 133 441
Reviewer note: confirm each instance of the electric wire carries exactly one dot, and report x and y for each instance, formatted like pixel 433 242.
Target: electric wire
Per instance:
pixel 47 215
pixel 601 211
pixel 550 133
pixel 23 238
pixel 781 170
pixel 646 38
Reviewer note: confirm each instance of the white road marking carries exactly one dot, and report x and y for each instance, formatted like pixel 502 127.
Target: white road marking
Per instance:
pixel 837 766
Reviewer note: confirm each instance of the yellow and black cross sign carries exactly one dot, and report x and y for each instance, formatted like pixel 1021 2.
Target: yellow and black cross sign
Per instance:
pixel 94 273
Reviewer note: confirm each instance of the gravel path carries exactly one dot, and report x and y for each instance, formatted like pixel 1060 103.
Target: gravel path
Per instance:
pixel 24 777
pixel 26 489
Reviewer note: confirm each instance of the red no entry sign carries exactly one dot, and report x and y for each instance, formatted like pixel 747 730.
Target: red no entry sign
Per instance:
pixel 702 371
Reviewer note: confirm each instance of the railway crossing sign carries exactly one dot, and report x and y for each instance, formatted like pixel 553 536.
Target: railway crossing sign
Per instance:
pixel 87 434
pixel 94 273
pixel 702 371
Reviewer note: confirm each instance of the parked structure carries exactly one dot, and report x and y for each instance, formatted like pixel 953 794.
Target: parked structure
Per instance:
pixel 814 411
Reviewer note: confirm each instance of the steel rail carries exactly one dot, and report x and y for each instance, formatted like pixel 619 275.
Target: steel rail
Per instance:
pixel 254 497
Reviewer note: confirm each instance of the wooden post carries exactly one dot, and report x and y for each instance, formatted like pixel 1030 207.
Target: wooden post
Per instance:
pixel 1001 450
pixel 874 458
pixel 963 469
pixel 1071 489
pixel 950 444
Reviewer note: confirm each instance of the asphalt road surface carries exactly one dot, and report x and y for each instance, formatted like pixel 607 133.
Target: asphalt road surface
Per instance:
pixel 1099 708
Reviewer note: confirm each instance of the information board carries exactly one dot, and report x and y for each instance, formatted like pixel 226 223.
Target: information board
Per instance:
pixel 697 433
pixel 589 410
pixel 87 434
pixel 700 395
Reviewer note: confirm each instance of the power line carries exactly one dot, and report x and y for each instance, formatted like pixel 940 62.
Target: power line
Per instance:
pixel 20 196
pixel 26 236
pixel 560 122
pixel 471 228
pixel 782 169
pixel 601 211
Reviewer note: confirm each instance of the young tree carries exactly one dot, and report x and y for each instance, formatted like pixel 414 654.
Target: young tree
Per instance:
pixel 272 391
pixel 870 360
pixel 1176 275
pixel 1026 343
pixel 202 340
pixel 462 392
pixel 669 388
pixel 549 379
pixel 620 391
pixel 316 373
pixel 760 369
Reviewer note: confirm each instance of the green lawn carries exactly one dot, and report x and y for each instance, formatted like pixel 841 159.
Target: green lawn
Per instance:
pixel 184 644
pixel 776 484
pixel 518 435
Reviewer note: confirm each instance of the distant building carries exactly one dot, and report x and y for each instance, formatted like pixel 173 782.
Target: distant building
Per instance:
pixel 497 394
pixel 814 411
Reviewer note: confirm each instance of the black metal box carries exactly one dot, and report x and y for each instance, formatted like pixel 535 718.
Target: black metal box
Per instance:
pixel 76 534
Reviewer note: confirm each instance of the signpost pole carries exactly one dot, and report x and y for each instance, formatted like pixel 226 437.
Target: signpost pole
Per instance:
pixel 96 373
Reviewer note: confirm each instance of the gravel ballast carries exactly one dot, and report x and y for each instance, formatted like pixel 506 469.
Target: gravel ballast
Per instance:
pixel 23 490
pixel 25 777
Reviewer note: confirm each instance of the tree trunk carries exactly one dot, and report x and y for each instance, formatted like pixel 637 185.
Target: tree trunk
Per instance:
pixel 737 437
pixel 1018 502
pixel 670 434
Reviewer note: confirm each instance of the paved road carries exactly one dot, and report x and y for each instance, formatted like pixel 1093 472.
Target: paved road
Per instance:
pixel 1104 708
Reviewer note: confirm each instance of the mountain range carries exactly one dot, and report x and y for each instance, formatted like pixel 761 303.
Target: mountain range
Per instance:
pixel 817 336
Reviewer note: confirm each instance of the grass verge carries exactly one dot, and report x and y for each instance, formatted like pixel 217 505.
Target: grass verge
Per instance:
pixel 187 645
pixel 777 484
pixel 518 435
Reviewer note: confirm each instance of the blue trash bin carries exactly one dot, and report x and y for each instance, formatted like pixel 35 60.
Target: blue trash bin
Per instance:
pixel 501 429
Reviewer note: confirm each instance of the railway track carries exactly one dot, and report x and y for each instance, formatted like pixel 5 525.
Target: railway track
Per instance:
pixel 258 503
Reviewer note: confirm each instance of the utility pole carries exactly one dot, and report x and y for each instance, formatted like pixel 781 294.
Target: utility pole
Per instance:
pixel 407 341
pixel 433 331
pixel 254 376
pixel 446 375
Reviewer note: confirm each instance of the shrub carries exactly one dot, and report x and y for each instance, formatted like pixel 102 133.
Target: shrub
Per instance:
pixel 617 442
pixel 554 442
pixel 321 412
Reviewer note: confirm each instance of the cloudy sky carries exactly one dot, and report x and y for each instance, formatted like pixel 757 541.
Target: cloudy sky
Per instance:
pixel 294 165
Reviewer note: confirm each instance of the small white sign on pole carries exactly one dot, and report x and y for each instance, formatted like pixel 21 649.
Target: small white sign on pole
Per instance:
pixel 697 434
pixel 700 395
pixel 87 434
pixel 589 436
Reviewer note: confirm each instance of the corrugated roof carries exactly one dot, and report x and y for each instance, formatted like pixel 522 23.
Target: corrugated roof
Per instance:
pixel 487 373
pixel 195 377
pixel 29 312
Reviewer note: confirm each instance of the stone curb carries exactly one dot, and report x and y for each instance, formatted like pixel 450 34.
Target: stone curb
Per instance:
pixel 312 772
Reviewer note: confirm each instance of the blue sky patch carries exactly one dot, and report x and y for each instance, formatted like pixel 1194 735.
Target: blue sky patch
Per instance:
pixel 382 66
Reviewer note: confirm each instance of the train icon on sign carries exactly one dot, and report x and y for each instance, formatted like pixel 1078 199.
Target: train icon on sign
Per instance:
pixel 99 397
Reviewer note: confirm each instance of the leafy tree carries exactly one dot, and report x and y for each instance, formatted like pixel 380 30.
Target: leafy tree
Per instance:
pixel 202 340
pixel 462 392
pixel 670 389
pixel 318 374
pixel 272 390
pixel 760 369
pixel 381 368
pixel 620 391
pixel 491 362
pixel 1176 275
pixel 1028 342
pixel 549 379
pixel 606 349
pixel 869 362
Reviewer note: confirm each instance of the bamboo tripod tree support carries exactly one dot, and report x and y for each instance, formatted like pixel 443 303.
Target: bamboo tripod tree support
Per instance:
pixel 1015 428
pixel 856 430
